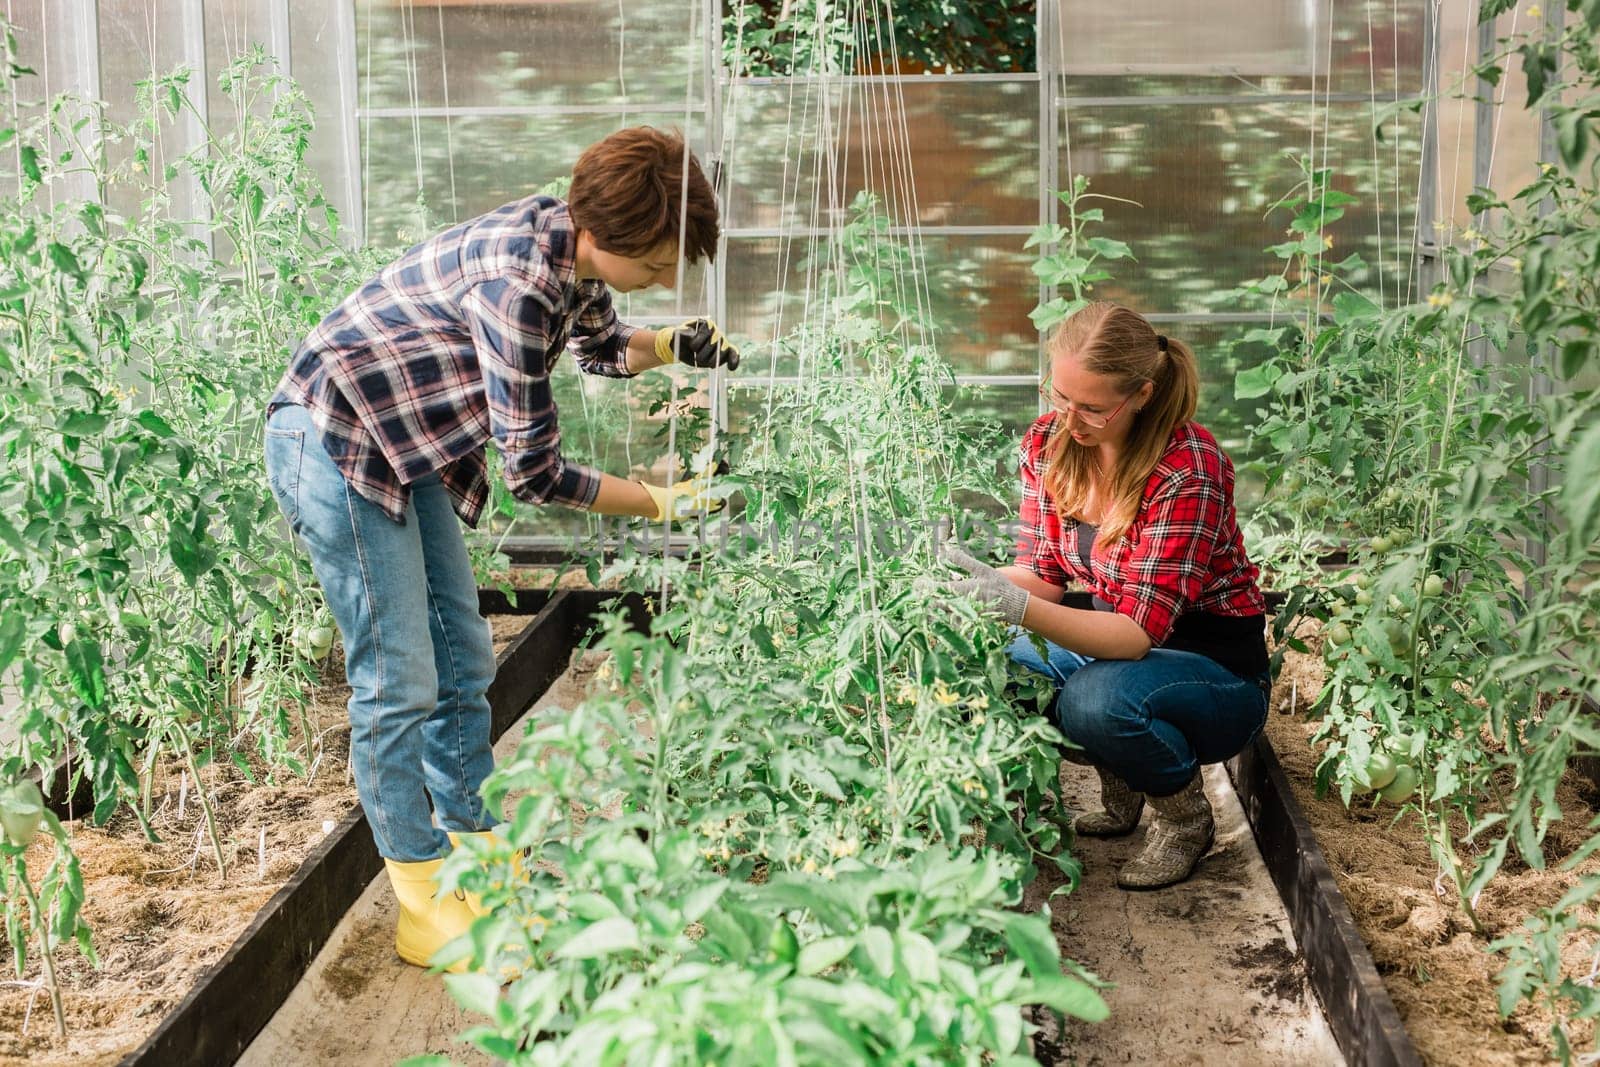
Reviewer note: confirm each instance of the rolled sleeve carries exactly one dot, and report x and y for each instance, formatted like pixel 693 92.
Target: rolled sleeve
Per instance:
pixel 1040 526
pixel 510 324
pixel 1169 563
pixel 600 340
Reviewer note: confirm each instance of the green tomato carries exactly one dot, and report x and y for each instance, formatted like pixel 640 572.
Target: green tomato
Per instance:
pixel 1432 585
pixel 1402 785
pixel 783 946
pixel 1364 581
pixel 1338 634
pixel 321 638
pixel 1381 544
pixel 1391 496
pixel 1399 536
pixel 21 812
pixel 1381 769
pixel 67 632
pixel 1363 597
pixel 1401 743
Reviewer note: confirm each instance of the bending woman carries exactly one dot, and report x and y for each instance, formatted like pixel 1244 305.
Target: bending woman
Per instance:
pixel 1125 494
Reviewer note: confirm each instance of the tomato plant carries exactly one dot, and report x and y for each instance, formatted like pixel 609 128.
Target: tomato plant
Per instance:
pixel 152 599
pixel 755 840
pixel 1461 630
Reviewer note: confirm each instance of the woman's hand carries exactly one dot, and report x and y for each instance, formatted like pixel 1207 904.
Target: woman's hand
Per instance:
pixel 986 585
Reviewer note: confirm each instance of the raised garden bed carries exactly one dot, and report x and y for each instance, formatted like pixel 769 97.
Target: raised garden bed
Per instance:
pixel 1435 1000
pixel 237 996
pixel 301 853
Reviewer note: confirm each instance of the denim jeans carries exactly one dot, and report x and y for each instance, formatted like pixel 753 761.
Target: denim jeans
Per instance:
pixel 418 654
pixel 1151 721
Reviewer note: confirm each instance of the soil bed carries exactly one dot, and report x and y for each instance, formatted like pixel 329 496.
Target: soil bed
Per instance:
pixel 160 913
pixel 359 1005
pixel 1439 974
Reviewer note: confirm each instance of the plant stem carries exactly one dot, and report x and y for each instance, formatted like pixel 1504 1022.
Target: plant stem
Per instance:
pixel 47 958
pixel 205 800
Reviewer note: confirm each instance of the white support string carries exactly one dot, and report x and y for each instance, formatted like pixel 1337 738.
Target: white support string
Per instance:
pixel 1377 172
pixel 449 136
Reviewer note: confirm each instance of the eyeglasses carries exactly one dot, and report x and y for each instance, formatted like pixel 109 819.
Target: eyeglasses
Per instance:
pixel 1067 407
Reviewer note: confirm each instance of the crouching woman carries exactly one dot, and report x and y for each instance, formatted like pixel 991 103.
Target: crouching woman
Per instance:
pixel 1123 493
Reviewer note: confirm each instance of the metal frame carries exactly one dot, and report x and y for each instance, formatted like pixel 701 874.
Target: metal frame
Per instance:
pixel 1054 111
pixel 1541 383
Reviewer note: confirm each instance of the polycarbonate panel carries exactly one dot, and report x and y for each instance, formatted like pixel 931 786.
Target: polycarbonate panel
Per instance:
pixel 1512 147
pixel 466 166
pixel 939 153
pixel 50 41
pixel 512 54
pixel 1156 47
pixel 47 43
pixel 979 292
pixel 140 41
pixel 315 53
pixel 1201 179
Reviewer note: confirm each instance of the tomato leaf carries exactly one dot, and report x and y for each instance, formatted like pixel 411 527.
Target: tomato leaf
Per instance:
pixel 604 938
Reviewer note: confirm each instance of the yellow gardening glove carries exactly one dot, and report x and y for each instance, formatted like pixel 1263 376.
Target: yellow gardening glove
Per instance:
pixel 696 342
pixel 683 500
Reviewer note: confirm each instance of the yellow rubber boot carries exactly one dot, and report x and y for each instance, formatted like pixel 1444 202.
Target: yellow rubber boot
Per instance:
pixel 428 918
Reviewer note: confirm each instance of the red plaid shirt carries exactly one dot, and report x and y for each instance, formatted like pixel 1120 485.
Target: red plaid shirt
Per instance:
pixel 452 345
pixel 1183 552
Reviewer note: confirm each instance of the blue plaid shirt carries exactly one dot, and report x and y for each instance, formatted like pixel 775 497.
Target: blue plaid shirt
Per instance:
pixel 452 345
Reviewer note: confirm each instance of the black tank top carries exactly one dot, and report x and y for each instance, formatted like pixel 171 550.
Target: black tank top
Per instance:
pixel 1238 642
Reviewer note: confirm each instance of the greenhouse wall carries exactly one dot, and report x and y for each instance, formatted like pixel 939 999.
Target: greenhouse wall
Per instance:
pixel 430 113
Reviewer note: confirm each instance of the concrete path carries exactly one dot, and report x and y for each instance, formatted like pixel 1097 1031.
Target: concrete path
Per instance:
pixel 1207 972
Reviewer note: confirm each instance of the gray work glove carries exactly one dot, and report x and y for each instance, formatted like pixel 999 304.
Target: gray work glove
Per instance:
pixel 987 585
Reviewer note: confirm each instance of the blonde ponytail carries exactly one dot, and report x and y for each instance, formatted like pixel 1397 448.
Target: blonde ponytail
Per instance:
pixel 1122 345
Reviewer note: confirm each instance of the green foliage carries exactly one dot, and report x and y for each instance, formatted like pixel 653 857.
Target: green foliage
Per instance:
pixel 754 841
pixel 775 38
pixel 1070 258
pixel 153 607
pixel 1460 636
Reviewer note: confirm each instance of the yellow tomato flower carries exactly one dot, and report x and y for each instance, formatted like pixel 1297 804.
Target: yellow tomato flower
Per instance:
pixel 1534 11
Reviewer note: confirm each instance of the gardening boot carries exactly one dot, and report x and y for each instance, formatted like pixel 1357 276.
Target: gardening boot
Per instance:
pixel 1179 835
pixel 428 918
pixel 1122 809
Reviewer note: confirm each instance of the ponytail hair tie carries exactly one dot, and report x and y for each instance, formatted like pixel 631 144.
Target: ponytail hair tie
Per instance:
pixel 1161 342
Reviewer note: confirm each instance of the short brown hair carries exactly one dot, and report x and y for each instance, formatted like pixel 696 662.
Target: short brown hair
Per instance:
pixel 629 191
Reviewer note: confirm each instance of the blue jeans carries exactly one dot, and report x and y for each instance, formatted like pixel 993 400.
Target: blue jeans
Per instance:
pixel 1153 721
pixel 418 654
